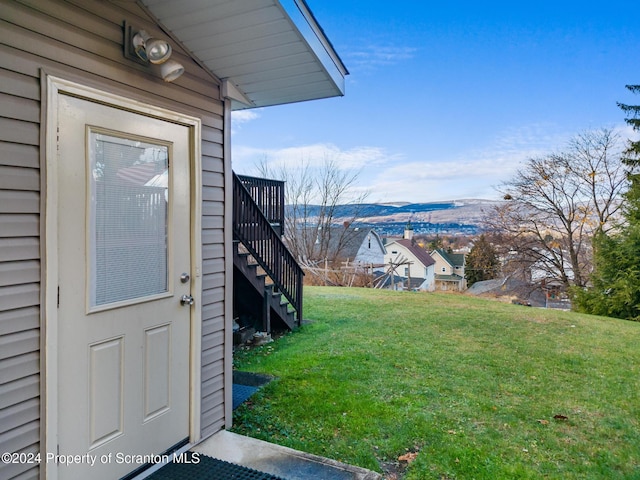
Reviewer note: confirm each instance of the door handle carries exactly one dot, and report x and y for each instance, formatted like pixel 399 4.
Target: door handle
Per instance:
pixel 186 300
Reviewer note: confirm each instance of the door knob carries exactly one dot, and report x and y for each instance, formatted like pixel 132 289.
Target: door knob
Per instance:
pixel 186 300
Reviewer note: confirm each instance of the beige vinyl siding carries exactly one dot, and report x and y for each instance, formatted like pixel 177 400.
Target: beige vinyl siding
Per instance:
pixel 212 416
pixel 19 268
pixel 81 40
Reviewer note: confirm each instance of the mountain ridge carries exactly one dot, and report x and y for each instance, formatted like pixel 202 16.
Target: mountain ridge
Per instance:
pixel 453 216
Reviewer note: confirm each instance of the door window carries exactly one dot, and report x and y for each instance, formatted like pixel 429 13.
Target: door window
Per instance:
pixel 128 215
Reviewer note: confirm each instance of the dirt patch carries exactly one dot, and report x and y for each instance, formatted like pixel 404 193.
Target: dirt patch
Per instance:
pixel 393 470
pixel 396 470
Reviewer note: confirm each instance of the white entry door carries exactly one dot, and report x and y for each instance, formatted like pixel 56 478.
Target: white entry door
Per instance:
pixel 124 262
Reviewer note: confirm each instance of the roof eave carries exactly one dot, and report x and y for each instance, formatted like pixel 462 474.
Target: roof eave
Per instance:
pixel 311 33
pixel 306 23
pixel 300 63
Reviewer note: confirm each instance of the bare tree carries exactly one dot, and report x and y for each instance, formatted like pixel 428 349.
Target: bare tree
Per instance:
pixel 322 202
pixel 557 203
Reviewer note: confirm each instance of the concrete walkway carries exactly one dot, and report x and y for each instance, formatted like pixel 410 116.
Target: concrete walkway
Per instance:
pixel 277 460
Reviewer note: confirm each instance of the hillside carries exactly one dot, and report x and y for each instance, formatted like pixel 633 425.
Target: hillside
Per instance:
pixel 456 216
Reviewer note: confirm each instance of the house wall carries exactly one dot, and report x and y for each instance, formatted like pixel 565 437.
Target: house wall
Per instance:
pixel 430 282
pixel 442 267
pixel 81 40
pixel 449 269
pixel 416 269
pixel 371 252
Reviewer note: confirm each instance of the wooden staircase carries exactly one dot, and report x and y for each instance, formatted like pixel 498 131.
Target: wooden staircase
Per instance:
pixel 267 279
pixel 256 297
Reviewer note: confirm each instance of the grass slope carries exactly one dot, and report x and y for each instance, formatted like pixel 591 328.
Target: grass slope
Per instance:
pixel 471 385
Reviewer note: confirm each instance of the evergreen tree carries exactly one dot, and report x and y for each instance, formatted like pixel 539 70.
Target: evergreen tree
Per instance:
pixel 482 262
pixel 435 243
pixel 632 160
pixel 615 289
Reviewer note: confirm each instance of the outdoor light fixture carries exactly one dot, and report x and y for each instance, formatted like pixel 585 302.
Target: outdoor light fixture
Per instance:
pixel 146 49
pixel 151 49
pixel 170 70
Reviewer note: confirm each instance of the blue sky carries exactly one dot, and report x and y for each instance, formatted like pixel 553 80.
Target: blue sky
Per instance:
pixel 445 99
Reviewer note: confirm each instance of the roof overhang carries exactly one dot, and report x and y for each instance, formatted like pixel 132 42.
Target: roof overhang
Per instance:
pixel 265 52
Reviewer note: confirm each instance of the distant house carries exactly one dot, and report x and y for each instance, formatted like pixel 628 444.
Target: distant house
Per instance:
pixel 409 261
pixel 359 246
pixel 363 247
pixel 449 270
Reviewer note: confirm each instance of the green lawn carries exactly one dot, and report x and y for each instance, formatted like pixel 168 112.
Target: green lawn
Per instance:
pixel 471 385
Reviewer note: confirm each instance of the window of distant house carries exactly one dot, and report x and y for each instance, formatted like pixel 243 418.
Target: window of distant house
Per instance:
pixel 406 271
pixel 394 252
pixel 444 269
pixel 369 241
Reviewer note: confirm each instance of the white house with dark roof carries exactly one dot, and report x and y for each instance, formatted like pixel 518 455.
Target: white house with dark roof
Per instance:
pixel 363 247
pixel 359 246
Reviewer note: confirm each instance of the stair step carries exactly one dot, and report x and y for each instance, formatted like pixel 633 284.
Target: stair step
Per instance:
pixel 248 257
pixel 263 284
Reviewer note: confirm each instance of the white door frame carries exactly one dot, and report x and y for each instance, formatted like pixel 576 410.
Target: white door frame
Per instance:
pixel 56 86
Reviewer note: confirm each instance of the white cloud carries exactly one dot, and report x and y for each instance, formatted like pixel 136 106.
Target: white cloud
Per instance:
pixel 391 176
pixel 468 174
pixel 371 57
pixel 245 159
pixel 433 181
pixel 627 132
pixel 240 117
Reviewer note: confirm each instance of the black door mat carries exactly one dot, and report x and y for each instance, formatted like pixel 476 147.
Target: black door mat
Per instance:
pixel 246 384
pixel 208 468
pixel 241 394
pixel 250 378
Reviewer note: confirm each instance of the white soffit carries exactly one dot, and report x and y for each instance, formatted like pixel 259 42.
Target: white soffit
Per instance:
pixel 272 52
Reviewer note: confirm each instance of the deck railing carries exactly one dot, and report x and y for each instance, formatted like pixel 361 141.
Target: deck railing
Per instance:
pixel 269 195
pixel 254 230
